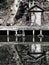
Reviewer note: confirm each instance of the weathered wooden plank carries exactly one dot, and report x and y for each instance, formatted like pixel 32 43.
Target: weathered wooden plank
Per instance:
pixel 23 28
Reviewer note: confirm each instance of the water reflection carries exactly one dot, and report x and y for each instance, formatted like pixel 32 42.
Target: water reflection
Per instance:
pixel 3 38
pixel 27 38
pixel 37 39
pixel 12 38
pixel 45 38
pixel 46 35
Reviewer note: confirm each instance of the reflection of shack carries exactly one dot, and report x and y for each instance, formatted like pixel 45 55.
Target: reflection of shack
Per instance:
pixel 32 54
pixel 38 54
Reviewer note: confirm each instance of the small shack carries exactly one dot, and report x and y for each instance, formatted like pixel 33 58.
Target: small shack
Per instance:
pixel 36 15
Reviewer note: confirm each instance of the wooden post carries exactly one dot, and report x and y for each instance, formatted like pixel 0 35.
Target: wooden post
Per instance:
pixel 23 33
pixel 33 35
pixel 7 35
pixel 40 32
pixel 16 35
pixel 23 39
pixel 41 35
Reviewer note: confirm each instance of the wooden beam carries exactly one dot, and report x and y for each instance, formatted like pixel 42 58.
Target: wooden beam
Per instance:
pixel 20 43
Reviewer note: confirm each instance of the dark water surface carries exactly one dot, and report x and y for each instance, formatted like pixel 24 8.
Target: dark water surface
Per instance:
pixel 27 38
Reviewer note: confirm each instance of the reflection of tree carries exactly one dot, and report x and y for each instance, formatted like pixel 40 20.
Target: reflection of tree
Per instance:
pixel 5 55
